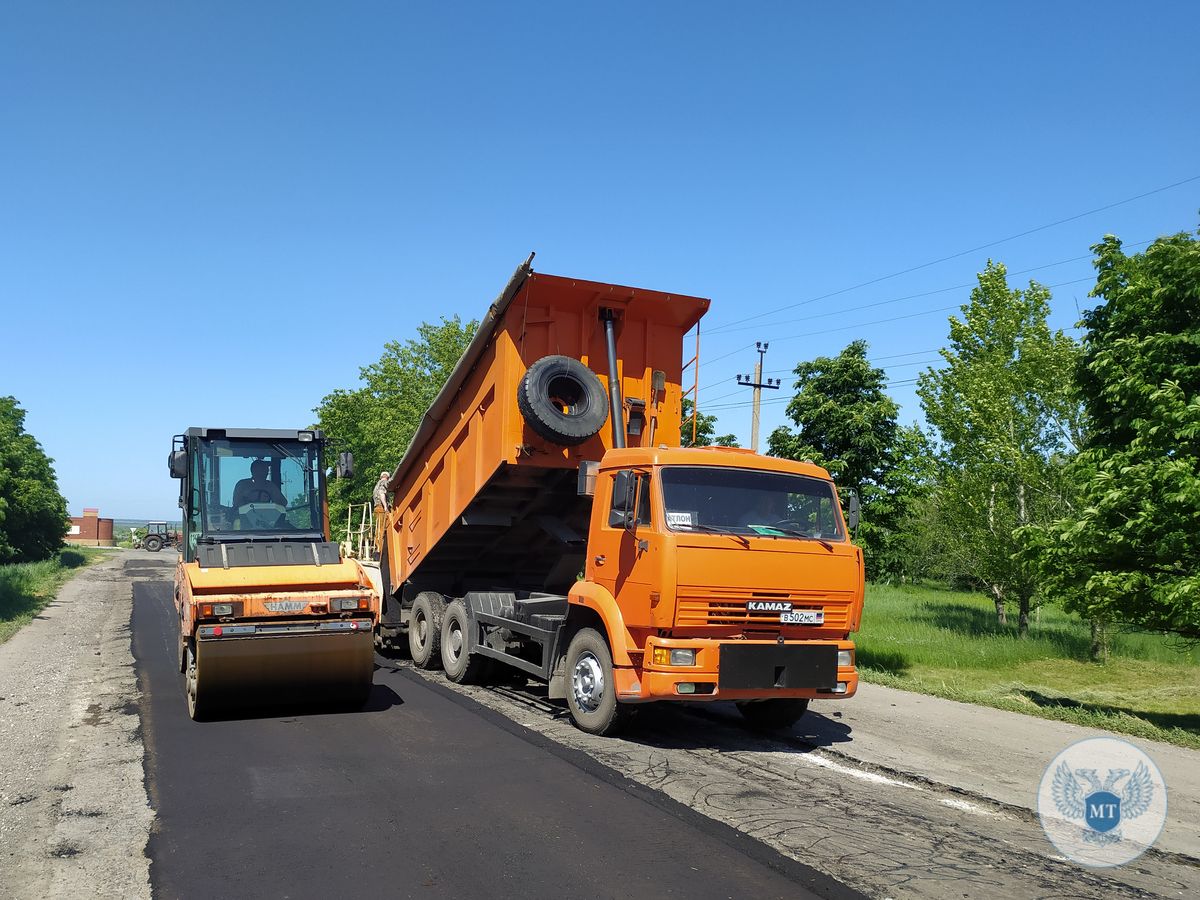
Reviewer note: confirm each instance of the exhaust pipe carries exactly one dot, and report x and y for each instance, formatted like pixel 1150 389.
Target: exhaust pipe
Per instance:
pixel 616 404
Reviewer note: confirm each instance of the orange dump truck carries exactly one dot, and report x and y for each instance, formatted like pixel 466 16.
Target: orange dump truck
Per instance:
pixel 546 518
pixel 268 609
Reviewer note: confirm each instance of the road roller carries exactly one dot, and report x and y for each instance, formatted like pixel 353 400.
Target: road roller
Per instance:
pixel 269 611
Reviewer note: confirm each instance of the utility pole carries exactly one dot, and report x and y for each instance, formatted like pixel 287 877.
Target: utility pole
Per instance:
pixel 758 384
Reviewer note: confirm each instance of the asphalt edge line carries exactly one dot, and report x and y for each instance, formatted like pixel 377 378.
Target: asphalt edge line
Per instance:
pixel 146 720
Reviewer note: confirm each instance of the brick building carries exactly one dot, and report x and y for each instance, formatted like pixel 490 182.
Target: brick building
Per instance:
pixel 91 530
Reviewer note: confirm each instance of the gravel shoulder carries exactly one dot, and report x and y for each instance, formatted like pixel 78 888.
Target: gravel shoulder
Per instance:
pixel 74 815
pixel 991 753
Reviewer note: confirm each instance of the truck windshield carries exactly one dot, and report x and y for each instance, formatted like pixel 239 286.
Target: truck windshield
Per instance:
pixel 259 487
pixel 748 502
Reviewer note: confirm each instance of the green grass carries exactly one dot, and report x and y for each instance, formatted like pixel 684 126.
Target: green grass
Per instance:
pixel 947 643
pixel 26 588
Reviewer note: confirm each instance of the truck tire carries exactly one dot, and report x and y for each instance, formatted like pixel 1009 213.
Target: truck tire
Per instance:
pixel 460 664
pixel 562 400
pixel 425 629
pixel 591 688
pixel 772 715
pixel 153 543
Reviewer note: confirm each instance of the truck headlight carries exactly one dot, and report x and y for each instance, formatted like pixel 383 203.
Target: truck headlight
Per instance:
pixel 667 656
pixel 845 658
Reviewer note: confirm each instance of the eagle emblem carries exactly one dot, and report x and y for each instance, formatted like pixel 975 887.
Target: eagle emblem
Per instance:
pixel 1102 805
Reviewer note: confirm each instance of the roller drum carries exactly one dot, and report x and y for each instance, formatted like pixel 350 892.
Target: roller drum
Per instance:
pixel 229 673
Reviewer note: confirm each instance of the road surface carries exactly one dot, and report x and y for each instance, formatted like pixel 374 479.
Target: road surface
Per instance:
pixel 421 794
pixel 436 790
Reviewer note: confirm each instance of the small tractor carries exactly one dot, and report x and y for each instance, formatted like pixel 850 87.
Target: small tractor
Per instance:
pixel 157 536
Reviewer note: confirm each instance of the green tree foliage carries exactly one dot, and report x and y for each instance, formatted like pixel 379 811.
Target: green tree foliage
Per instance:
pixel 898 533
pixel 377 420
pixel 706 430
pixel 847 423
pixel 1130 552
pixel 33 514
pixel 1007 417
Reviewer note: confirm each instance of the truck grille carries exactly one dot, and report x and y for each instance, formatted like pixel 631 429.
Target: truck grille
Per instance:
pixel 717 607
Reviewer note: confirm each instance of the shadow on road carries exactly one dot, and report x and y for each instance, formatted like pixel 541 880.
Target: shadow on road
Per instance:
pixel 1188 721
pixel 678 726
pixel 380 699
pixel 672 726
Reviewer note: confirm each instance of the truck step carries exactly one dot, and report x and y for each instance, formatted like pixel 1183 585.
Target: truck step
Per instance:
pixel 549 623
pixel 542 606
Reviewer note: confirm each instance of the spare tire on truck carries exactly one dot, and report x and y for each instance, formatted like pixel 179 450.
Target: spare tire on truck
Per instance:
pixel 562 400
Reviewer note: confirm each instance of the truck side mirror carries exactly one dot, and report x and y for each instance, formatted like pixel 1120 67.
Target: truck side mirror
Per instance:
pixel 621 513
pixel 345 464
pixel 852 511
pixel 177 463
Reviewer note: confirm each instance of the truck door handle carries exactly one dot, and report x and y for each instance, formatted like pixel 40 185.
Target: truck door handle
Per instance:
pixel 600 560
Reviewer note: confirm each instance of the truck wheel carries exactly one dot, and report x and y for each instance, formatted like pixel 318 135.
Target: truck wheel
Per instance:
pixel 772 715
pixel 562 400
pixel 591 688
pixel 461 665
pixel 425 629
pixel 153 543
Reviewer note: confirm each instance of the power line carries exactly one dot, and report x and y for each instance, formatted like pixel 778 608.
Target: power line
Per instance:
pixel 921 362
pixel 876 322
pixel 874 361
pixel 709 406
pixel 743 403
pixel 726 329
pixel 962 253
pixel 908 315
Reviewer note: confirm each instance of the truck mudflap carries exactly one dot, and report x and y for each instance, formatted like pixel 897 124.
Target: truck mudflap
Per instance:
pixel 765 666
pixel 250 664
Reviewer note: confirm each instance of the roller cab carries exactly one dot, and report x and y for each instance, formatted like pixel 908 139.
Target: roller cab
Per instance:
pixel 269 612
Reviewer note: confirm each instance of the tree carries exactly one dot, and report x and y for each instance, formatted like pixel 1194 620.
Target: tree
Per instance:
pixel 1007 418
pixel 899 533
pixel 1130 551
pixel 846 423
pixel 33 514
pixel 706 430
pixel 377 420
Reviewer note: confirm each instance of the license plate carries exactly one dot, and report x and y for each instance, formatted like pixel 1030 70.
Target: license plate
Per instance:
pixel 803 617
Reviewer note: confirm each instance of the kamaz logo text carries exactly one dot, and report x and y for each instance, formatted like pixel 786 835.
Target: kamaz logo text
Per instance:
pixel 769 606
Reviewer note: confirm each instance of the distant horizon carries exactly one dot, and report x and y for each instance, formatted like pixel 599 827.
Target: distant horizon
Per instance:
pixel 124 520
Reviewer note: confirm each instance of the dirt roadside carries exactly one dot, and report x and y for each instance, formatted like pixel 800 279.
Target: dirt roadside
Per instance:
pixel 993 753
pixel 74 815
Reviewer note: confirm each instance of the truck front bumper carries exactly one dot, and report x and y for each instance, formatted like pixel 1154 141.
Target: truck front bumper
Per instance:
pixel 743 670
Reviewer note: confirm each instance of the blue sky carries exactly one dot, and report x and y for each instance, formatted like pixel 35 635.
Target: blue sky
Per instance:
pixel 215 213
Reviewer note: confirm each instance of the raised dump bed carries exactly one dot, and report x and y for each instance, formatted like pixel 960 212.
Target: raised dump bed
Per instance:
pixel 483 497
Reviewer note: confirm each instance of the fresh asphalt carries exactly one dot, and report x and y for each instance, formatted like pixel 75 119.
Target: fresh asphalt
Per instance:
pixel 423 793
